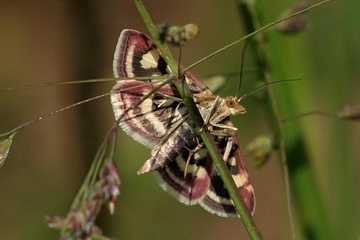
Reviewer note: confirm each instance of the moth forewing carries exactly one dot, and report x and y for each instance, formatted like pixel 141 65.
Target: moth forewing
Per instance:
pixel 137 56
pixel 149 122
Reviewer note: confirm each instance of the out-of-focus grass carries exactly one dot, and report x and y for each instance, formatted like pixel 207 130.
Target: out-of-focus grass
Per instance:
pixel 321 150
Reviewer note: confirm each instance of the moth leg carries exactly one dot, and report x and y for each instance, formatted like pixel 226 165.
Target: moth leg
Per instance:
pixel 229 145
pixel 223 127
pixel 191 153
pixel 210 113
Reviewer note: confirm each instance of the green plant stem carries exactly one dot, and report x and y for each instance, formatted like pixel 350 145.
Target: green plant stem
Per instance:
pixel 252 15
pixel 252 22
pixel 186 95
pixel 108 145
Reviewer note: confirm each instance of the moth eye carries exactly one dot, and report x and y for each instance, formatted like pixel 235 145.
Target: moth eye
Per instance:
pixel 230 103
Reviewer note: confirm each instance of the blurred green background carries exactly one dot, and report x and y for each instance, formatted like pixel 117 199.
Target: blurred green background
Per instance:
pixel 50 41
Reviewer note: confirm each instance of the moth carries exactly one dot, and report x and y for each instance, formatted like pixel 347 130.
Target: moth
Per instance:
pixel 155 116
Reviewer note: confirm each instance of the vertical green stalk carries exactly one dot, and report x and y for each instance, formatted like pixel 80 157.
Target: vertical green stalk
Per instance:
pixel 252 22
pixel 315 223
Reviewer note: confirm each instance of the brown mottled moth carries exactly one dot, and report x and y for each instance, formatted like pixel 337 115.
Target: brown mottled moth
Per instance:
pixel 159 120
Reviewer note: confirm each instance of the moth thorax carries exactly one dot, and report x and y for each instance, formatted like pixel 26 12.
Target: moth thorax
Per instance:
pixel 233 104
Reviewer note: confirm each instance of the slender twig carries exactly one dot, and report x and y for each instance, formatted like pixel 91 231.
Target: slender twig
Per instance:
pixel 18 128
pixel 309 113
pixel 255 32
pixel 96 80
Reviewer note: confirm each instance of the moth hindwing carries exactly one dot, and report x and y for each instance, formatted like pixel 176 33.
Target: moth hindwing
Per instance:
pixel 179 158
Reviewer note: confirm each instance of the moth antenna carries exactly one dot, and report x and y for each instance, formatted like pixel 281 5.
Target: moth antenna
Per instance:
pixel 266 85
pixel 241 66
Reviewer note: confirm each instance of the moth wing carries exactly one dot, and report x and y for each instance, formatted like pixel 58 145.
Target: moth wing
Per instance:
pixel 217 199
pixel 202 183
pixel 136 55
pixel 188 184
pixel 152 120
pixel 155 118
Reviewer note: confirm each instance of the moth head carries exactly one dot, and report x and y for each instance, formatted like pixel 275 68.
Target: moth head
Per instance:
pixel 234 106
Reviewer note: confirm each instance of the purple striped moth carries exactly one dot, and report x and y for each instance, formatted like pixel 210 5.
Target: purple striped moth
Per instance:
pixel 161 122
